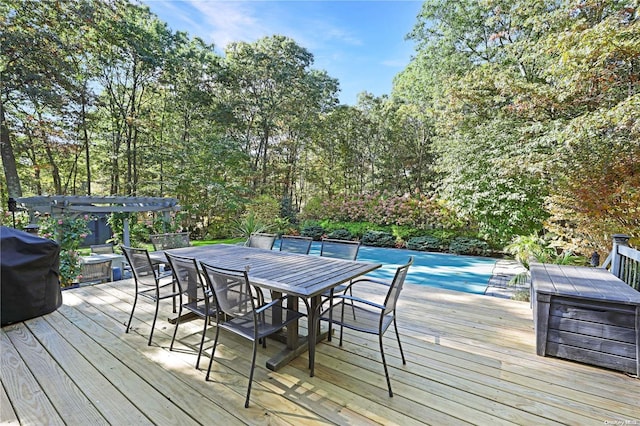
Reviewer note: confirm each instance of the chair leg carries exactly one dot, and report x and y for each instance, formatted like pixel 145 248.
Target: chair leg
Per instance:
pixel 353 306
pixel 133 308
pixel 213 351
pixel 341 321
pixel 155 317
pixel 173 288
pixel 204 332
pixel 404 362
pixel 253 364
pixel 330 316
pixel 384 363
pixel 175 330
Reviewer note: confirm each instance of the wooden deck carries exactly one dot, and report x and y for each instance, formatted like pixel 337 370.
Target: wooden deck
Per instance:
pixel 470 359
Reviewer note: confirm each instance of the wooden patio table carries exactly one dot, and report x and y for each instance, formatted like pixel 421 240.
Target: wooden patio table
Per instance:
pixel 298 275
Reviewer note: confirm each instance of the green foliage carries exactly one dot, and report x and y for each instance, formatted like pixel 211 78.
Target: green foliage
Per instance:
pixel 471 246
pixel 314 231
pixel 21 219
pixel 535 115
pixel 426 243
pixel 510 118
pixel 69 232
pixel 526 247
pixel 522 296
pixel 378 239
pixel 249 224
pixel 287 211
pixel 406 232
pixel 340 234
pixel 530 248
pixel 264 209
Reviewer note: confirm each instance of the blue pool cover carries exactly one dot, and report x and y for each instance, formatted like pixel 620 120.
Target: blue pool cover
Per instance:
pixel 469 274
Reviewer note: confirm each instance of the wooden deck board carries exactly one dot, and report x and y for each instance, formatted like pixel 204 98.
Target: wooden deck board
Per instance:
pixel 470 360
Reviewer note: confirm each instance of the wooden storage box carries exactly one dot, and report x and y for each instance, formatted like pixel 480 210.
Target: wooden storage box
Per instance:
pixel 586 315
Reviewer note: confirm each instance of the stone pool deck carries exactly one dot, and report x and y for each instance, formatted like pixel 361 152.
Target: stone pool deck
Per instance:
pixel 503 272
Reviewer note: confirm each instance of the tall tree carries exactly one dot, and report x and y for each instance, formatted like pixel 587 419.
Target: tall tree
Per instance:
pixel 267 81
pixel 132 57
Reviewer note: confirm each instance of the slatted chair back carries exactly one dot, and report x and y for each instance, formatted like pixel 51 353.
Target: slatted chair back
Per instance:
pixel 101 248
pixel 261 240
pixel 230 289
pixel 232 293
pixel 295 244
pixel 185 272
pixel 366 316
pixel 149 283
pixel 142 268
pixel 97 272
pixel 340 249
pixel 197 297
pixel 397 284
pixel 170 240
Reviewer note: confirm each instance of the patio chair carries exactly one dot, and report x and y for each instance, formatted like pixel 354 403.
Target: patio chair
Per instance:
pixel 102 248
pixel 149 282
pixel 261 240
pixel 339 249
pixel 370 317
pixel 170 240
pixel 198 295
pixel 233 297
pixel 95 272
pixel 295 244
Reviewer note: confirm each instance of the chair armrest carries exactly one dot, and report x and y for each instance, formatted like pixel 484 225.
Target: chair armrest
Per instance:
pixel 272 303
pixel 360 300
pixel 370 280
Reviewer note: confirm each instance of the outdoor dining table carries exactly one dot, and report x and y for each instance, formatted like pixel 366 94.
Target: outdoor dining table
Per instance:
pixel 300 276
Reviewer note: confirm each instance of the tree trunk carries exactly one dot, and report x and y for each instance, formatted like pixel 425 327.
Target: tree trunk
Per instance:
pixel 8 159
pixel 85 136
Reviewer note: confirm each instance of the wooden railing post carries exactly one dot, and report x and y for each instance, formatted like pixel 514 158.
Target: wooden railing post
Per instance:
pixel 616 261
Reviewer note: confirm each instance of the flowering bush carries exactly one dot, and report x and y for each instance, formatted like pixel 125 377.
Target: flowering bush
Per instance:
pixel 416 210
pixel 7 217
pixel 69 232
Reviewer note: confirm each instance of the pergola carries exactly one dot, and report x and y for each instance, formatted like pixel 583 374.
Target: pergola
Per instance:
pixel 57 205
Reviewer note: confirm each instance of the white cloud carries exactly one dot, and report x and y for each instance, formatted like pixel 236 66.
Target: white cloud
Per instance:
pixel 226 22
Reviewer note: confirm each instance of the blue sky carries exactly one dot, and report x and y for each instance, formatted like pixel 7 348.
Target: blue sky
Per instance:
pixel 361 43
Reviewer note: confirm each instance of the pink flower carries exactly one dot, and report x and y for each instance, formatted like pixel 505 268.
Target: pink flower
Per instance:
pixel 59 221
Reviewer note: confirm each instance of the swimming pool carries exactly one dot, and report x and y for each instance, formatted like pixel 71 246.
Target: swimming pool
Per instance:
pixel 469 274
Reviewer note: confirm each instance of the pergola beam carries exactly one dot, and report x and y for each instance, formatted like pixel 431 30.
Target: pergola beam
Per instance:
pixel 61 204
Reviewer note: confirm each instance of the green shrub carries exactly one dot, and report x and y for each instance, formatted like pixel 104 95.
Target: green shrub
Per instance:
pixel 265 210
pixel 379 239
pixel 314 231
pixel 406 232
pixel 425 243
pixel 248 225
pixel 340 234
pixel 468 245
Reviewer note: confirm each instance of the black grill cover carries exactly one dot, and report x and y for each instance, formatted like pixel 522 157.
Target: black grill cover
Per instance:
pixel 29 280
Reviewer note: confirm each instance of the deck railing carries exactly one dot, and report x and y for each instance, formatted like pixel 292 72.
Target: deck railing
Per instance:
pixel 624 261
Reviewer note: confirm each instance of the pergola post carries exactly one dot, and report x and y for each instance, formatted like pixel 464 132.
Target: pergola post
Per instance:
pixel 125 232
